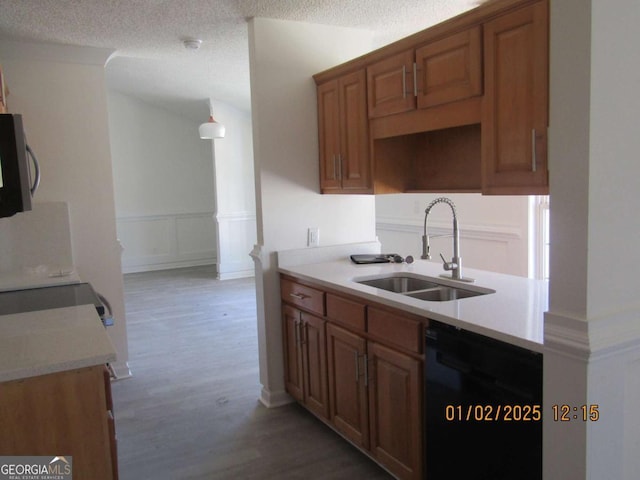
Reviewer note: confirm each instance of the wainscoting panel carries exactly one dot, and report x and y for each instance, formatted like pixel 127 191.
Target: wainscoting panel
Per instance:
pixel 237 234
pixel 158 242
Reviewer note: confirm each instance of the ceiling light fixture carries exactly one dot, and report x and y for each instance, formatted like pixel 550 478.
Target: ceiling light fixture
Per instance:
pixel 192 43
pixel 211 129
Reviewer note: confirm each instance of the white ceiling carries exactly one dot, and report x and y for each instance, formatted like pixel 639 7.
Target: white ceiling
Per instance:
pixel 150 61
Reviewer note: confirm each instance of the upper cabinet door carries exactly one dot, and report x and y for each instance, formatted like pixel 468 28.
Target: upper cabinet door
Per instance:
pixel 390 85
pixel 343 133
pixel 450 69
pixel 354 161
pixel 329 134
pixel 515 112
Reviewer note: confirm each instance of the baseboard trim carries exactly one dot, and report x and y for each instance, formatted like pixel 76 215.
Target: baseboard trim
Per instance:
pixel 235 275
pixel 152 267
pixel 274 399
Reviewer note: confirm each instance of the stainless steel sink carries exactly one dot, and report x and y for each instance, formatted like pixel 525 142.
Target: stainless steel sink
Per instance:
pixel 399 284
pixel 444 294
pixel 423 288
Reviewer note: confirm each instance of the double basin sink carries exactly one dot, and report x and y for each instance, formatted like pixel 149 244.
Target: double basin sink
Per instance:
pixel 422 287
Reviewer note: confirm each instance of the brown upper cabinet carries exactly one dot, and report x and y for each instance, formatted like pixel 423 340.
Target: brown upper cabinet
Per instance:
pixel 439 72
pixel 515 110
pixel 343 133
pixel 449 69
pixel 390 85
pixel 459 107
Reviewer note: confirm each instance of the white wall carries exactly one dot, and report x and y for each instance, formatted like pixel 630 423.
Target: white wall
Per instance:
pixel 36 242
pixel 235 192
pixel 164 186
pixel 283 57
pixel 493 229
pixel 60 91
pixel 592 338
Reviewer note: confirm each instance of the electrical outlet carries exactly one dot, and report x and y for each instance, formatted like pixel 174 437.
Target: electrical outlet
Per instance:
pixel 313 237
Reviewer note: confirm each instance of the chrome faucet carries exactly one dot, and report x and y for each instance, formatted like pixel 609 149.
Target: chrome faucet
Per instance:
pixel 455 265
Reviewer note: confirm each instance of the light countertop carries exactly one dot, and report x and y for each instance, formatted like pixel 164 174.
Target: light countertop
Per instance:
pixel 514 313
pixel 50 341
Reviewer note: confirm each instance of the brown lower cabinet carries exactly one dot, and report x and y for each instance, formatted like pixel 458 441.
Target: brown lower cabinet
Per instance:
pixel 347 358
pixel 395 410
pixel 368 390
pixel 305 359
pixel 67 413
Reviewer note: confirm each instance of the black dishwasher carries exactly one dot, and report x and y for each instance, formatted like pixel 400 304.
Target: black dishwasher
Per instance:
pixel 483 407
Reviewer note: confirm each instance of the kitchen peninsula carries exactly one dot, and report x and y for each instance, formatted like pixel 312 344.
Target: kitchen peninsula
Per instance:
pixel 356 357
pixel 513 314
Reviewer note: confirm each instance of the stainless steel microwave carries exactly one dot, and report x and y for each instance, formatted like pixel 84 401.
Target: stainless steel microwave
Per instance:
pixel 16 184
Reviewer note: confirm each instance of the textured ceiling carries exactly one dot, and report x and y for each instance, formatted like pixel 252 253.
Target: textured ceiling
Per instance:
pixel 150 61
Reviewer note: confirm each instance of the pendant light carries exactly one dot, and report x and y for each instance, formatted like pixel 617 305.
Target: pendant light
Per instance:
pixel 211 129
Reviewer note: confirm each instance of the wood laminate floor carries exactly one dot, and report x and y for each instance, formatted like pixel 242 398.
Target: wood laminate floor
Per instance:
pixel 190 411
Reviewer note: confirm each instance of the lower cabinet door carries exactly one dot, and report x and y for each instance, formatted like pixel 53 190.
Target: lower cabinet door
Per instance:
pixel 60 412
pixel 292 352
pixel 316 396
pixel 395 411
pixel 347 386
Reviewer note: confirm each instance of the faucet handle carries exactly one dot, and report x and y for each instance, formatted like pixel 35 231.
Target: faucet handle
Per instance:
pixel 448 265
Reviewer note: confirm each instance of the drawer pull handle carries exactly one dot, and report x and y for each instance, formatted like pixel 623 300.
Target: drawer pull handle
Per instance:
pixel 299 296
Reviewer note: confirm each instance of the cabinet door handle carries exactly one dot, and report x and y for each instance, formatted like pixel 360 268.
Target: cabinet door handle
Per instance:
pixel 357 357
pixel 296 325
pixel 533 151
pixel 404 81
pixel 415 80
pixel 304 333
pixel 335 166
pixel 339 167
pixel 366 370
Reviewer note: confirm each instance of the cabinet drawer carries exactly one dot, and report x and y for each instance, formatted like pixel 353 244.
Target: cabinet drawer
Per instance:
pixel 302 296
pixel 346 311
pixel 394 329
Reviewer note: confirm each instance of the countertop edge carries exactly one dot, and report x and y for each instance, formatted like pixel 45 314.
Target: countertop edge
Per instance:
pixel 46 369
pixel 392 300
pixel 61 339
